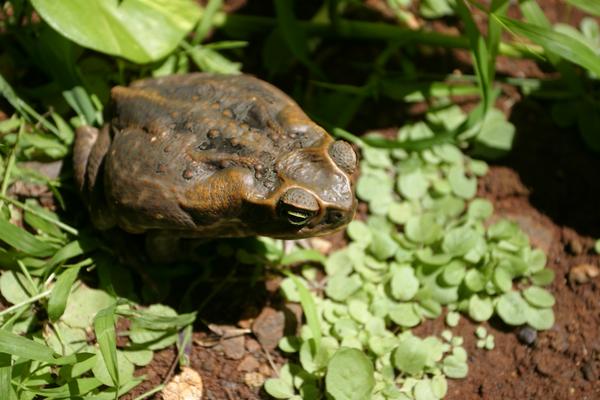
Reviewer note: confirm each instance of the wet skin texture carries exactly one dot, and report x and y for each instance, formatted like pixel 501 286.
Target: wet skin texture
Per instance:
pixel 204 155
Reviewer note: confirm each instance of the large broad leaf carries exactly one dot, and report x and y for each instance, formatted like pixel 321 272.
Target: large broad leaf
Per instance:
pixel 139 30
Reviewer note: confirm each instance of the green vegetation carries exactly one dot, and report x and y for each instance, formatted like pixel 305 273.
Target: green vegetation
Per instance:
pixel 424 247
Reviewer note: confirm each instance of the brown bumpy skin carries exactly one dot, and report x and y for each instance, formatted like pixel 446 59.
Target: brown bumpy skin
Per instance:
pixel 204 155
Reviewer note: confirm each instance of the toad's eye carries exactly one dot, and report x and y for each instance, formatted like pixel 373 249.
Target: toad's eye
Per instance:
pixel 298 206
pixel 298 217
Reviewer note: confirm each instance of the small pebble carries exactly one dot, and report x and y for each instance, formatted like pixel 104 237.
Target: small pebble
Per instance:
pixel 187 385
pixel 582 273
pixel 589 372
pixel 527 335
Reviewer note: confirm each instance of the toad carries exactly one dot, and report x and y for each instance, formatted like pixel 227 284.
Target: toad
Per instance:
pixel 207 156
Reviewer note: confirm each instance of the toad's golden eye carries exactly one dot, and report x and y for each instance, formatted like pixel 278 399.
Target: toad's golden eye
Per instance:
pixel 298 206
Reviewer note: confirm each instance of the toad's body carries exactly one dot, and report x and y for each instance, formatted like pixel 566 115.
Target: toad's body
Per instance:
pixel 204 155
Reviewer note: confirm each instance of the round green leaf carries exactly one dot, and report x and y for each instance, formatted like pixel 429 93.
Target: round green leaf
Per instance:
pixel 439 385
pixel 139 357
pixel 83 304
pixel 138 30
pixel 461 185
pixel 12 287
pixel 423 390
pixel 278 388
pixel 349 375
pixel 413 185
pixel 543 277
pixel 475 280
pixel 453 273
pixel 540 318
pixel 399 213
pixel 536 260
pixel 454 367
pixel 426 256
pixel 289 344
pixel 404 315
pixel 340 287
pixel 370 187
pixel 376 157
pixel 448 206
pixel 383 246
pixel 404 284
pixel 345 327
pixel 512 308
pixel 538 297
pixel 359 311
pixel 429 308
pixel 124 366
pixel 459 241
pixel 359 232
pixel 422 229
pixel 410 356
pixel 449 153
pixel 480 209
pixel 503 229
pixel 502 278
pixel 452 318
pixel 480 309
pixel 478 167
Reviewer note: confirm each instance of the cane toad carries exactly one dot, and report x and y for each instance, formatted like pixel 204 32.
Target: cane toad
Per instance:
pixel 203 155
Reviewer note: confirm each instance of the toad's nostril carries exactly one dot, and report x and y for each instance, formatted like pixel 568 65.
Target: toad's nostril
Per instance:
pixel 335 216
pixel 343 156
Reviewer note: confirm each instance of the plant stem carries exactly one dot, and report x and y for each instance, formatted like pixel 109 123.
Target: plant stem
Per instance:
pixel 30 300
pixel 10 164
pixel 25 207
pixel 349 29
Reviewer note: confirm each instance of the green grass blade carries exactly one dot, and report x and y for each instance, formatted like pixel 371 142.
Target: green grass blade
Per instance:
pixel 23 108
pixel 535 15
pixel 104 327
pixel 382 143
pixel 294 35
pixel 75 248
pixel 498 7
pixel 159 322
pixel 30 300
pixel 5 376
pixel 479 52
pixel 19 346
pixel 75 388
pixel 206 21
pixel 310 310
pixel 80 101
pixel 567 47
pixel 303 255
pixel 10 164
pixel 590 6
pixel 24 241
pixel 60 293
